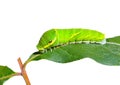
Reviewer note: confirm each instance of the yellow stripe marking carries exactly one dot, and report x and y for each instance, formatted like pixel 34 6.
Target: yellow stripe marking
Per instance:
pixel 50 43
pixel 74 35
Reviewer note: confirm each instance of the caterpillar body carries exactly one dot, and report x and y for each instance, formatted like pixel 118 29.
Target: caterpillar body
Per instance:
pixel 57 37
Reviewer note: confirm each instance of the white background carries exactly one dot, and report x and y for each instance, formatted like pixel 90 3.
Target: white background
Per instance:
pixel 22 22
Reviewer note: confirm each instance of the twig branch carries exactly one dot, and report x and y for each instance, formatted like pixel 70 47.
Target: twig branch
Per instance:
pixel 23 72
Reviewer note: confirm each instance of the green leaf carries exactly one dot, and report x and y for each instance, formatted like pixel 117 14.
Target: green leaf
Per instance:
pixel 114 39
pixel 5 74
pixel 108 54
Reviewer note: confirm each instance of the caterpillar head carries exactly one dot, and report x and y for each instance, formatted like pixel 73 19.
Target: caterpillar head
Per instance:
pixel 47 40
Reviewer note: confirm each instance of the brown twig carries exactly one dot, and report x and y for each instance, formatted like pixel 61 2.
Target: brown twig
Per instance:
pixel 23 72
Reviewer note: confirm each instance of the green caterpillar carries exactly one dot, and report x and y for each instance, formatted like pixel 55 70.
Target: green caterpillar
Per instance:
pixel 56 37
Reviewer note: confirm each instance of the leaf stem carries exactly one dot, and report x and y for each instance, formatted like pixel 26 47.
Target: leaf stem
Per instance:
pixel 23 72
